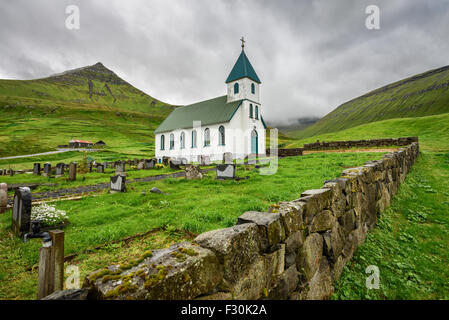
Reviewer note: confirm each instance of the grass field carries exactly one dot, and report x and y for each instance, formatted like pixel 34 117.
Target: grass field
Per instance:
pixel 410 243
pixel 109 217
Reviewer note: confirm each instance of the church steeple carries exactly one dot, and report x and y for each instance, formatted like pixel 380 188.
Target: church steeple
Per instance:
pixel 243 82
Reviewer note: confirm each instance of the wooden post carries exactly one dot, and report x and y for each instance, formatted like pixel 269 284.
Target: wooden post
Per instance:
pixel 57 238
pixel 51 266
pixel 45 282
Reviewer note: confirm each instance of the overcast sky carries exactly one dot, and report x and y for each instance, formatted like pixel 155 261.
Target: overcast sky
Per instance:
pixel 311 56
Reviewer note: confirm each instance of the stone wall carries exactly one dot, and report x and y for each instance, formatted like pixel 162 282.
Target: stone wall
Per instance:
pixel 296 250
pixel 323 145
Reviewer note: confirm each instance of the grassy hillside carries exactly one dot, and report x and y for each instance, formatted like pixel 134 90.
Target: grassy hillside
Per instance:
pixel 433 132
pixel 421 95
pixel 90 103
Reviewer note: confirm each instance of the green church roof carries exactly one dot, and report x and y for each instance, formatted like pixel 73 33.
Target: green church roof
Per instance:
pixel 242 68
pixel 209 112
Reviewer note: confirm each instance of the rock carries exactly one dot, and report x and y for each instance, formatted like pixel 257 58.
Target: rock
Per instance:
pixel 333 242
pixel 292 245
pixel 216 296
pixel 291 215
pixel 269 222
pixel 320 286
pixel 286 283
pixel 155 190
pixel 310 255
pixel 347 221
pixel 70 294
pixel 236 247
pixel 3 197
pixel 322 221
pixel 183 271
pixel 193 172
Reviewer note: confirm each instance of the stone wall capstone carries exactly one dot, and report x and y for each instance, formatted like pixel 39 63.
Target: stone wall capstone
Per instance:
pixel 296 250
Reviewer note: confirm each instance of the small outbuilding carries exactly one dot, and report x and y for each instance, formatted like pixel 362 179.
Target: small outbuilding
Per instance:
pixel 100 143
pixel 80 144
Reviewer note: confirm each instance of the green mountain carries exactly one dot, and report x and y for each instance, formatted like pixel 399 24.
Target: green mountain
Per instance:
pixel 420 95
pixel 89 103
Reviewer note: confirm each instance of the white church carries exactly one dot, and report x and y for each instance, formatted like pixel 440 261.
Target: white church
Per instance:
pixel 230 123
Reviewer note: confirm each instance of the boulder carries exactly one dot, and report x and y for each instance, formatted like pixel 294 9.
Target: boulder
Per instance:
pixel 193 172
pixel 70 294
pixel 322 221
pixel 310 255
pixel 268 221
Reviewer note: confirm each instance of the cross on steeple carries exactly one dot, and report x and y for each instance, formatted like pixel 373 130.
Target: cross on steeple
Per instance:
pixel 243 42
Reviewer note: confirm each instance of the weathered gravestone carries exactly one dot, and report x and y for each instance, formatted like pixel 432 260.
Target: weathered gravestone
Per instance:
pixel 250 159
pixel 21 211
pixel 118 183
pixel 184 161
pixel 141 165
pixel 175 164
pixel 193 172
pixel 120 168
pixel 204 160
pixel 225 171
pixel 105 164
pixel 228 158
pixel 11 172
pixel 72 171
pixel 90 166
pixel 47 169
pixel 60 169
pixel 1 172
pixel 149 163
pixel 37 169
pixel 3 197
pixel 165 160
pixel 100 168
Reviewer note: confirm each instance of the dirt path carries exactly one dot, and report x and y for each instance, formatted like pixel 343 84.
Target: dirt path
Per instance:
pixel 351 150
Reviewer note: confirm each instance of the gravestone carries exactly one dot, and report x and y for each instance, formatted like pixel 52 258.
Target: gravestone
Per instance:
pixel 1 172
pixel 118 183
pixel 37 169
pixel 141 165
pixel 100 168
pixel 193 172
pixel 149 163
pixel 90 166
pixel 204 160
pixel 72 171
pixel 120 168
pixel 21 211
pixel 60 169
pixel 175 164
pixel 250 159
pixel 165 160
pixel 3 197
pixel 136 161
pixel 225 171
pixel 228 158
pixel 47 169
pixel 105 164
pixel 184 161
pixel 11 172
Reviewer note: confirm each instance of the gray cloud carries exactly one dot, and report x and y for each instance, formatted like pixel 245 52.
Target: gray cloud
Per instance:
pixel 310 55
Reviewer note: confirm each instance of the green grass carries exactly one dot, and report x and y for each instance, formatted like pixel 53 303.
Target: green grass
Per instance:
pixel 410 243
pixel 418 96
pixel 194 206
pixel 433 132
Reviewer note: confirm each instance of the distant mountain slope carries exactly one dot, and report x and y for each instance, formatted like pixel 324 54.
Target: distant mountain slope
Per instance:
pixel 89 103
pixel 421 95
pixel 92 85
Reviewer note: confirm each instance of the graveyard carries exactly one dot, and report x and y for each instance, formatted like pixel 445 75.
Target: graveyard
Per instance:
pixel 102 219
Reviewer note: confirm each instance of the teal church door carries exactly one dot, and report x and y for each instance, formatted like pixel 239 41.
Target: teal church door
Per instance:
pixel 254 142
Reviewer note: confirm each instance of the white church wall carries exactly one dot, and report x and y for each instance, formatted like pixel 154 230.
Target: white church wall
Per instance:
pixel 244 90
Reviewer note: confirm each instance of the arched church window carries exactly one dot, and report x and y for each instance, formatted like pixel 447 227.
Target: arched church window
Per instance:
pixel 172 141
pixel 253 88
pixel 250 110
pixel 206 137
pixel 162 142
pixel 182 140
pixel 194 139
pixel 257 113
pixel 221 136
pixel 236 88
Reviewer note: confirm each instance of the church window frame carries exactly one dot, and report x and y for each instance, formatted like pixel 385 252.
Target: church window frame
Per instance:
pixel 194 138
pixel 251 115
pixel 162 142
pixel 253 88
pixel 221 136
pixel 183 140
pixel 257 113
pixel 236 88
pixel 172 141
pixel 207 137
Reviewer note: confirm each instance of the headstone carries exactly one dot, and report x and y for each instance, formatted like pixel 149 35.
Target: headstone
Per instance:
pixel 90 166
pixel 1 172
pixel 120 167
pixel 175 164
pixel 11 172
pixel 250 159
pixel 60 169
pixel 193 172
pixel 47 169
pixel 21 212
pixel 165 160
pixel 155 190
pixel 105 164
pixel 3 197
pixel 37 169
pixel 100 168
pixel 204 160
pixel 225 171
pixel 228 158
pixel 149 163
pixel 184 161
pixel 72 171
pixel 141 165
pixel 136 162
pixel 118 183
